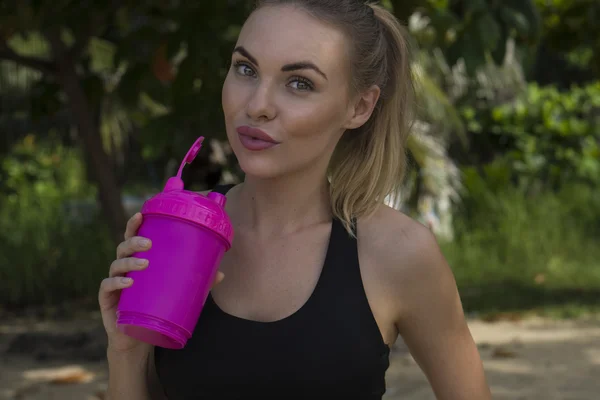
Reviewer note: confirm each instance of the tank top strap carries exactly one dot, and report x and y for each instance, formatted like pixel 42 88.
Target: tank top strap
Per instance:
pixel 341 267
pixel 341 283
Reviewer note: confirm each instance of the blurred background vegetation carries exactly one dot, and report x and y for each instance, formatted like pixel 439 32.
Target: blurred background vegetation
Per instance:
pixel 100 100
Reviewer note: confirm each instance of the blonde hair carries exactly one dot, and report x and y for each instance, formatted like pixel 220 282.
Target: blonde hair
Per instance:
pixel 369 163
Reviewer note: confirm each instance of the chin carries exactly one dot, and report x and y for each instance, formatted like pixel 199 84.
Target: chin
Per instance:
pixel 259 164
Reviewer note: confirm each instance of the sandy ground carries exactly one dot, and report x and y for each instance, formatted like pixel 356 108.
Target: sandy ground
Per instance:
pixel 524 360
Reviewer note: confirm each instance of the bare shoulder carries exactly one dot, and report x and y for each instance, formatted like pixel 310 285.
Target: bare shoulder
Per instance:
pixel 400 242
pixel 414 290
pixel 406 256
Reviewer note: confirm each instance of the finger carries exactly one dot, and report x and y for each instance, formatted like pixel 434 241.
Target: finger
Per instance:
pixel 133 225
pixel 133 245
pixel 109 285
pixel 124 265
pixel 218 278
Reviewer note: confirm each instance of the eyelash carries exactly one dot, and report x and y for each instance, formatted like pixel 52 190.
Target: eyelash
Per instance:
pixel 300 79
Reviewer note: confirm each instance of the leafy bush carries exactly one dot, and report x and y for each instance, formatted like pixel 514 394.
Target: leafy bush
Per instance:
pixel 46 255
pixel 550 137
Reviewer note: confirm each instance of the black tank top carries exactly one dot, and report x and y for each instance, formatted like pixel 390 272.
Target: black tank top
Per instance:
pixel 331 348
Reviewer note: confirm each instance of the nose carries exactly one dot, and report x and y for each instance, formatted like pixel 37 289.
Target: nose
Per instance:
pixel 260 104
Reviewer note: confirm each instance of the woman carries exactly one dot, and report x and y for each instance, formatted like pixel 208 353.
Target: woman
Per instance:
pixel 322 277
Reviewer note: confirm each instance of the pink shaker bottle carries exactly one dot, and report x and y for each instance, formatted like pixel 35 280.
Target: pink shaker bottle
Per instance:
pixel 190 233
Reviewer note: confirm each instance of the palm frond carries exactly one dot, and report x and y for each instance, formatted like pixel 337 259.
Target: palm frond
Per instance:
pixel 433 103
pixel 439 179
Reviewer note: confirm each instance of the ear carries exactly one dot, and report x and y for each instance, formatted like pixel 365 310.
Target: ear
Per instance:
pixel 363 107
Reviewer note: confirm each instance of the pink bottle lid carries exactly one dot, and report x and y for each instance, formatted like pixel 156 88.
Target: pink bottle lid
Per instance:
pixel 174 201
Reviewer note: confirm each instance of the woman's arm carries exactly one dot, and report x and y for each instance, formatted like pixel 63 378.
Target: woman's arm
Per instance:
pixel 429 312
pixel 132 375
pixel 434 329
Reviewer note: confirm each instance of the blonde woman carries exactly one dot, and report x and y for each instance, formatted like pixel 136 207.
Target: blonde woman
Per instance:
pixel 322 277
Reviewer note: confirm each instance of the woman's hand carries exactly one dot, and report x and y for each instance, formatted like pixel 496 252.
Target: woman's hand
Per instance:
pixel 110 288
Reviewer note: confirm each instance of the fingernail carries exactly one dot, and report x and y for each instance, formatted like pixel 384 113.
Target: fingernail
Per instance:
pixel 126 281
pixel 141 262
pixel 144 242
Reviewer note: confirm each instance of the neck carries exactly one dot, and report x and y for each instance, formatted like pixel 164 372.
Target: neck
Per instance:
pixel 284 204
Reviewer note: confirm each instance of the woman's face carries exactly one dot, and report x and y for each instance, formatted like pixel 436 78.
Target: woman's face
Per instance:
pixel 289 79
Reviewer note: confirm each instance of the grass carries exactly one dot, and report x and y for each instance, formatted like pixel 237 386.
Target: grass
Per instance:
pixel 529 254
pixel 49 260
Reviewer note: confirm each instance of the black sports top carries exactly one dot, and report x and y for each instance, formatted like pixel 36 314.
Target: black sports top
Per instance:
pixel 331 348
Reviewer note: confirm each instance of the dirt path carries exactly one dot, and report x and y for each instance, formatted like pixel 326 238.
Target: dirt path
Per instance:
pixel 528 360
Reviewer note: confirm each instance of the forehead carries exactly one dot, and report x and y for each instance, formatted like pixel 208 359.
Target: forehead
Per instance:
pixel 287 33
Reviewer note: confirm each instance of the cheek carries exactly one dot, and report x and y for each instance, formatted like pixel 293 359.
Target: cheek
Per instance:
pixel 322 120
pixel 234 97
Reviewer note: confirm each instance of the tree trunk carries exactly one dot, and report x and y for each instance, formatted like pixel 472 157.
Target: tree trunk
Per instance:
pixel 97 160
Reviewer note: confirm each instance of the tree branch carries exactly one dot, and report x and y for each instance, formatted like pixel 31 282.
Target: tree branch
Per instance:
pixel 44 66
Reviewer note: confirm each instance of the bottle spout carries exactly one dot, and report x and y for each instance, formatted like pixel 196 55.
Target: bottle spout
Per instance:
pixel 191 154
pixel 175 182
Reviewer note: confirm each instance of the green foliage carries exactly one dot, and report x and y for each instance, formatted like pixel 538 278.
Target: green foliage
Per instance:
pixel 177 59
pixel 549 136
pixel 162 63
pixel 150 67
pixel 476 31
pixel 51 171
pixel 46 255
pixel 571 27
pixel 514 250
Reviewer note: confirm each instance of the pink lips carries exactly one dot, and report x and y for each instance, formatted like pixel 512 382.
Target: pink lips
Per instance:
pixel 254 139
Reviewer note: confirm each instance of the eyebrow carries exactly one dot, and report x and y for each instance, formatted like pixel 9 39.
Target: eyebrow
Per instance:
pixel 303 65
pixel 286 68
pixel 244 52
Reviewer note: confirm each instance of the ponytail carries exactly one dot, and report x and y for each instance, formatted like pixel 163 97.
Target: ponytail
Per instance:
pixel 370 163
